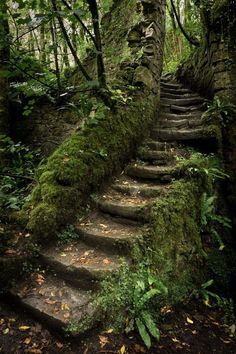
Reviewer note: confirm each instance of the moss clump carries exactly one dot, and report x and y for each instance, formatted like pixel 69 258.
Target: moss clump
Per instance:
pixel 82 162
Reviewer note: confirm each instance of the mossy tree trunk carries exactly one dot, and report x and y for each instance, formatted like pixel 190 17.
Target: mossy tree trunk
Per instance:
pixel 4 57
pixel 94 153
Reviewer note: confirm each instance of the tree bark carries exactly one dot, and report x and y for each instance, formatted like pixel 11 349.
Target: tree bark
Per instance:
pixel 4 59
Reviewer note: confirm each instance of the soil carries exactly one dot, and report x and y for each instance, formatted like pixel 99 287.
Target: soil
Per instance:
pixel 193 328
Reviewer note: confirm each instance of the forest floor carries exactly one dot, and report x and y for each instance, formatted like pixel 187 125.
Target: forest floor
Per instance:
pixel 193 328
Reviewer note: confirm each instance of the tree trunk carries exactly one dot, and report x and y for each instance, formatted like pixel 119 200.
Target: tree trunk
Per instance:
pixel 4 58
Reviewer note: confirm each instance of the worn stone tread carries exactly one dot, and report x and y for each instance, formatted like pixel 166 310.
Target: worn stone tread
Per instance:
pixel 171 85
pixel 180 116
pixel 177 95
pixel 188 101
pixel 108 233
pixel 159 157
pixel 123 205
pixel 52 301
pixel 80 264
pixel 134 187
pixel 180 123
pixel 160 173
pixel 157 145
pixel 181 134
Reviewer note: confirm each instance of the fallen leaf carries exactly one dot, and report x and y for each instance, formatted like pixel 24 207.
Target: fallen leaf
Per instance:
pixel 106 261
pixel 6 331
pixel 65 307
pixel 122 349
pixel 24 328
pixel 27 341
pixel 50 302
pixel 66 315
pixel 10 252
pixel 109 331
pixel 189 320
pixel 139 349
pixel 42 291
pixel 63 254
pixel 232 329
pixel 103 341
pixel 2 321
pixel 175 340
pixel 39 279
pixel 59 345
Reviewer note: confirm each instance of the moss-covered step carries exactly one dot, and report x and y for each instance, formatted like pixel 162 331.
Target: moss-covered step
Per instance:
pixel 188 101
pixel 183 109
pixel 79 264
pixel 157 145
pixel 180 116
pixel 178 95
pixel 123 205
pixel 54 302
pixel 109 233
pixel 170 85
pixel 134 187
pixel 180 123
pixel 175 91
pixel 181 134
pixel 162 174
pixel 156 157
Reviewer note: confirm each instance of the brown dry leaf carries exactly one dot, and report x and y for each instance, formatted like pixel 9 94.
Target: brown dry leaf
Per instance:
pixel 106 261
pixel 27 340
pixel 66 315
pixel 60 293
pixel 139 349
pixel 103 341
pixel 2 321
pixel 175 340
pixel 24 328
pixel 10 252
pixel 194 332
pixel 39 279
pixel 109 331
pixel 50 302
pixel 59 345
pixel 42 291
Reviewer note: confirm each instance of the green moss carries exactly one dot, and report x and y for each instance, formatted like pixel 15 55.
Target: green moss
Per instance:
pixel 82 162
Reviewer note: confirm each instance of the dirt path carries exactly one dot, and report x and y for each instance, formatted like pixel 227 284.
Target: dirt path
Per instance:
pixel 190 329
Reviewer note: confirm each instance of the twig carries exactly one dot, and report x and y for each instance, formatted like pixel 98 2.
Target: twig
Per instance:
pixel 17 176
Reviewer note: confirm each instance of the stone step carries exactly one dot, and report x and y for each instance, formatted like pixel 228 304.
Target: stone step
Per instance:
pixel 173 116
pixel 157 157
pixel 188 101
pixel 170 85
pixel 176 91
pixel 52 301
pixel 163 174
pixel 133 187
pixel 169 95
pixel 181 123
pixel 180 134
pixel 80 265
pixel 108 233
pixel 182 109
pixel 157 145
pixel 122 205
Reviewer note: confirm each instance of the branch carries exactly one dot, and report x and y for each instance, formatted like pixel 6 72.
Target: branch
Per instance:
pixel 68 41
pixel 100 64
pixel 81 22
pixel 193 41
pixel 17 176
pixel 31 29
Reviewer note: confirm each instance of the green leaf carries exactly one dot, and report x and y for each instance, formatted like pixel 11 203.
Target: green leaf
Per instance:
pixel 150 324
pixel 143 333
pixel 148 296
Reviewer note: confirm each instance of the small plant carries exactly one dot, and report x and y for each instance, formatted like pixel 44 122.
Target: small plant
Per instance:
pixel 68 235
pixel 141 317
pixel 210 220
pixel 17 173
pixel 206 294
pixel 223 110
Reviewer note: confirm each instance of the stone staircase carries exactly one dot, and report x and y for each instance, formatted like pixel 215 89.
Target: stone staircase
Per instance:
pixel 62 293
